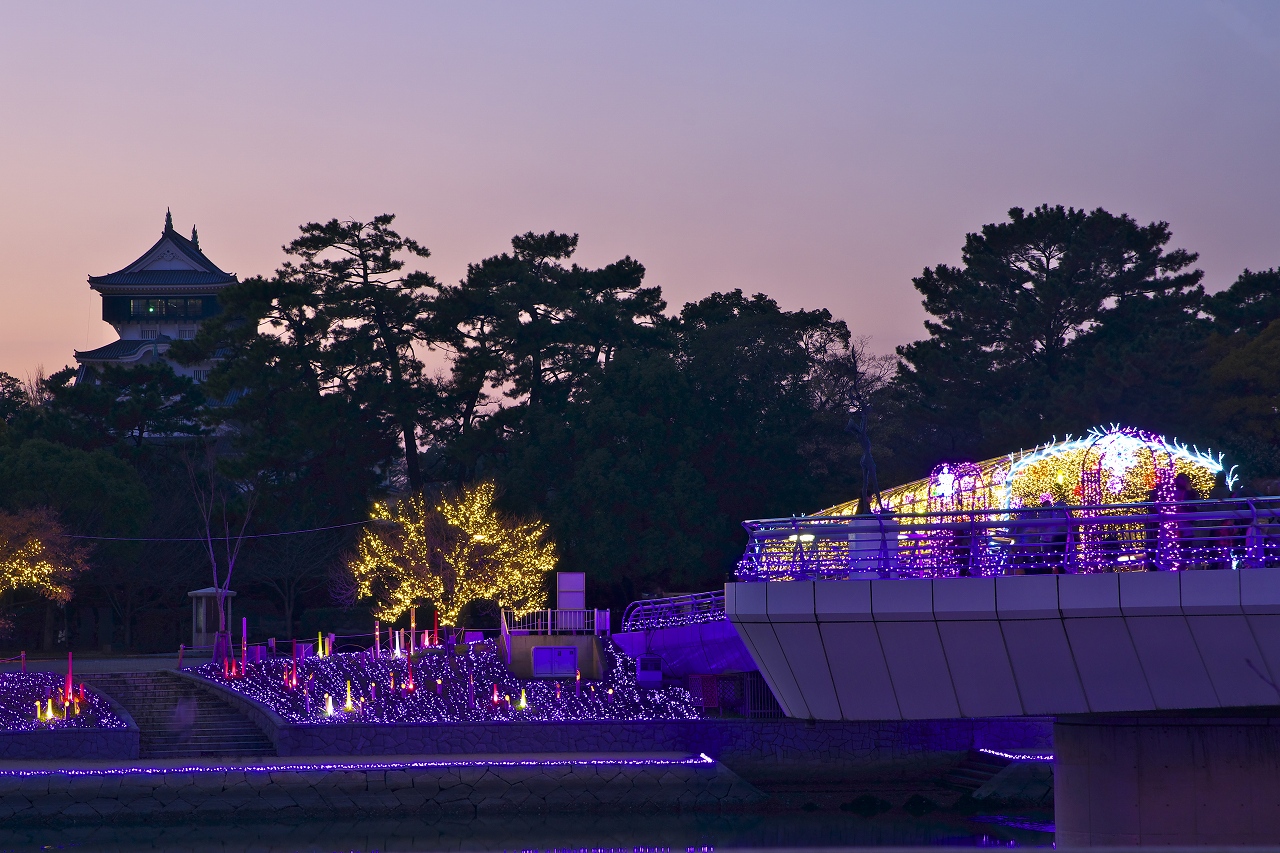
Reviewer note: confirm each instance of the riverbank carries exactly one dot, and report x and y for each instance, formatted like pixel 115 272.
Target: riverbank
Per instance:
pixel 57 792
pixel 776 750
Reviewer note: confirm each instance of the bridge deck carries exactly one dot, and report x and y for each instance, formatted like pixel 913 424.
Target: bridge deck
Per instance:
pixel 1014 645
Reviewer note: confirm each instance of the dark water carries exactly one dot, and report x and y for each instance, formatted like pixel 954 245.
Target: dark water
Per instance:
pixel 674 832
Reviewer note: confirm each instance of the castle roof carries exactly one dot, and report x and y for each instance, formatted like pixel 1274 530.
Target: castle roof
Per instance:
pixel 173 265
pixel 123 350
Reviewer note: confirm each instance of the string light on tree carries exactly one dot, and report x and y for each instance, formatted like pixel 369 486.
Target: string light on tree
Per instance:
pixel 34 555
pixel 458 551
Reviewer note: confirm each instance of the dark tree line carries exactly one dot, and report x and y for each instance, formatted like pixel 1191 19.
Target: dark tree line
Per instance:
pixel 1061 319
pixel 643 435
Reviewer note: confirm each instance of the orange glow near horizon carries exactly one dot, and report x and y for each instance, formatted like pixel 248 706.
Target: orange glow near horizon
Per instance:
pixel 821 153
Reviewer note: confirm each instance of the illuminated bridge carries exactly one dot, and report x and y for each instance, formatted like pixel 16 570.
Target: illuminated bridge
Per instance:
pixel 1150 633
pixel 1162 684
pixel 1088 581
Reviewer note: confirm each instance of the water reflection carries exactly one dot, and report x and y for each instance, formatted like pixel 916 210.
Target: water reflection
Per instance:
pixel 678 832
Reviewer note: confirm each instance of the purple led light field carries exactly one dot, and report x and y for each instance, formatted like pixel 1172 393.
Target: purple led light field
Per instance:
pixel 447 688
pixel 20 691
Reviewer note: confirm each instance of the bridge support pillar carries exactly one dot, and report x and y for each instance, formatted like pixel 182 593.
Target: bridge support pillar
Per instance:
pixel 1179 778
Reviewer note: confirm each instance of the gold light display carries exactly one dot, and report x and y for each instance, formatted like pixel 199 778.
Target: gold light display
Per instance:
pixel 1116 465
pixel 35 556
pixel 458 551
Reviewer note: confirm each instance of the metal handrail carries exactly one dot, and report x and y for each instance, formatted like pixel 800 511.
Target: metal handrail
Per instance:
pixel 1231 533
pixel 556 622
pixel 688 609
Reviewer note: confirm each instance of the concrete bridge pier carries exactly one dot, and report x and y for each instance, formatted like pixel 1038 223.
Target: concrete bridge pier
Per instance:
pixel 1175 778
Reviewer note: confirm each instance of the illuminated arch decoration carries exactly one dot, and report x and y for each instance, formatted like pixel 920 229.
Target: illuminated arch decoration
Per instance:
pixel 1118 465
pixel 1108 467
pixel 1112 465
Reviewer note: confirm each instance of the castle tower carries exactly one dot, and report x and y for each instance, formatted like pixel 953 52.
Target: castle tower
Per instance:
pixel 161 297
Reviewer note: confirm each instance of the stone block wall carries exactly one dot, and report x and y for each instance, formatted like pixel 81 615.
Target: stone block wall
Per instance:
pixel 758 749
pixel 69 743
pixel 180 792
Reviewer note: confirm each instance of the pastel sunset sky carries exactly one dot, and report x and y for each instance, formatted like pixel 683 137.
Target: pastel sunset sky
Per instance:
pixel 823 153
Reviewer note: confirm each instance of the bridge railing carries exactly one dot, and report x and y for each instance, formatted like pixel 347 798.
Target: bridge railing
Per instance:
pixel 690 609
pixel 1220 534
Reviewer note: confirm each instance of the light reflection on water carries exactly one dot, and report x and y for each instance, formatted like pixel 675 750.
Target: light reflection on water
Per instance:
pixel 674 832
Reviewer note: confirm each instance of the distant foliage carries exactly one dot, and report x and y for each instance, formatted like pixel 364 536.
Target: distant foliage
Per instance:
pixel 36 556
pixel 640 435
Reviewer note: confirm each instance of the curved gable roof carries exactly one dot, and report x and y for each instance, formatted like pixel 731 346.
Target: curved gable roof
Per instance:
pixel 173 263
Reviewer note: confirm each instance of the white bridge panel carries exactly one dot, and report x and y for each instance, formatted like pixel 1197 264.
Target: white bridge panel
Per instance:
pixel 1090 595
pixel 1266 633
pixel 1035 645
pixel 1233 660
pixel 980 668
pixel 841 601
pixel 1175 671
pixel 772 662
pixel 1108 664
pixel 1047 678
pixel 857 667
pixel 918 669
pixel 802 644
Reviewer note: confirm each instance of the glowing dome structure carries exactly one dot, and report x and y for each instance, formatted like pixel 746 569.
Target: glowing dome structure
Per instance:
pixel 1113 465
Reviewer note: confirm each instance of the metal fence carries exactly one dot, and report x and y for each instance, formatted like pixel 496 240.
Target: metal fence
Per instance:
pixel 556 622
pixel 1222 534
pixel 692 609
pixel 737 694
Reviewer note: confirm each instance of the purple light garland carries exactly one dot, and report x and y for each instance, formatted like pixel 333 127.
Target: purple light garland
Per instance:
pixel 19 692
pixel 1019 756
pixel 700 760
pixel 677 620
pixel 465 692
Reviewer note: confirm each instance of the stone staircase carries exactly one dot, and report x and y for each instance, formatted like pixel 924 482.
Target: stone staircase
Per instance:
pixel 974 772
pixel 178 719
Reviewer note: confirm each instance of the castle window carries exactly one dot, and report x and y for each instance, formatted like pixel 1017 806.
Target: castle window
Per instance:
pixel 139 308
pixel 201 375
pixel 186 334
pixel 150 334
pixel 170 306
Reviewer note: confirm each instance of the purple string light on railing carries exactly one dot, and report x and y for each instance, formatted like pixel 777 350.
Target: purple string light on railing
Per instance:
pixel 1173 532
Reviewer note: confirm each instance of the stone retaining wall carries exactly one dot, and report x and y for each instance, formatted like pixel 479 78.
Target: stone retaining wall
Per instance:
pixel 69 743
pixel 179 792
pixel 757 749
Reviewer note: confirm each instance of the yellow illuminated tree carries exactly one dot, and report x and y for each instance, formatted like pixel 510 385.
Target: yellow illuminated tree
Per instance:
pixel 36 555
pixel 453 553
